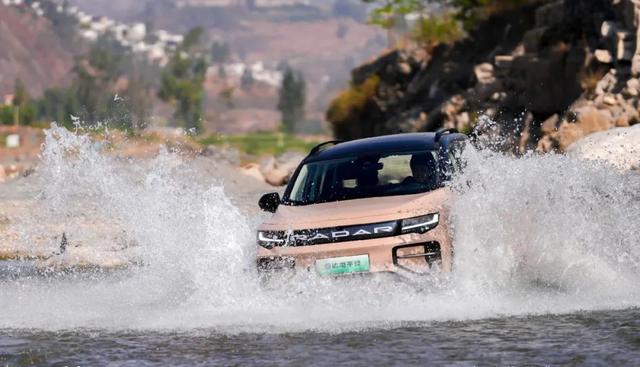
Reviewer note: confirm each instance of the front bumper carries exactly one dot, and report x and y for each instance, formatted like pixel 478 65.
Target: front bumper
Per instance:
pixel 403 254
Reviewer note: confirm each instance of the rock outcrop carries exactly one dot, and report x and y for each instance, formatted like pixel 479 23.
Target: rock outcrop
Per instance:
pixel 619 147
pixel 547 74
pixel 278 170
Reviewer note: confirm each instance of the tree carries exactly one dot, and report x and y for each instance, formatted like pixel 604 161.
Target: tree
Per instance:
pixel 23 109
pixel 97 94
pixel 182 82
pixel 246 81
pixel 93 88
pixel 292 99
pixel 220 52
pixel 58 104
pixel 468 12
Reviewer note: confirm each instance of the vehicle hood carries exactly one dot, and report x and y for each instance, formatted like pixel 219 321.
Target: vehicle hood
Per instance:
pixel 359 211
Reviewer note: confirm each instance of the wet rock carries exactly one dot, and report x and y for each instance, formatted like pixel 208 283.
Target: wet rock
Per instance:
pixel 619 147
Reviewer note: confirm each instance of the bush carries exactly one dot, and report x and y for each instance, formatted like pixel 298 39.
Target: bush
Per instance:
pixel 6 115
pixel 430 31
pixel 349 103
pixel 27 115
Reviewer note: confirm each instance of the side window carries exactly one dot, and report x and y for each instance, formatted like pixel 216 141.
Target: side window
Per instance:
pixel 395 168
pixel 297 192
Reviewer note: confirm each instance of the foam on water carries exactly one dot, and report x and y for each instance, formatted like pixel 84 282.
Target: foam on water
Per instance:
pixel 538 234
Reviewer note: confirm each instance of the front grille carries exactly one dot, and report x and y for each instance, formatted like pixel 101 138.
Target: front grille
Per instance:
pixel 338 234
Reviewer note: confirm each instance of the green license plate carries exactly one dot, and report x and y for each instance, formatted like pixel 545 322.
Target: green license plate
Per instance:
pixel 343 265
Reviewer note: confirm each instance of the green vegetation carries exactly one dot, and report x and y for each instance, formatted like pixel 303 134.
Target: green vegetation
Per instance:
pixel 22 111
pixel 292 99
pixel 262 143
pixel 110 86
pixel 347 107
pixel 445 26
pixel 470 12
pixel 430 31
pixel 182 82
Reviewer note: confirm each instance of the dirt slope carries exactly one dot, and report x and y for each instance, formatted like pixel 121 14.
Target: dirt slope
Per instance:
pixel 30 50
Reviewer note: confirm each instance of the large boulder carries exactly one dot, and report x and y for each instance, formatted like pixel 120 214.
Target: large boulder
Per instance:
pixel 253 170
pixel 619 147
pixel 278 170
pixel 582 121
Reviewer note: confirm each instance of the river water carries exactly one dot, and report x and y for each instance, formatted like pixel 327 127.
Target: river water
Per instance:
pixel 547 271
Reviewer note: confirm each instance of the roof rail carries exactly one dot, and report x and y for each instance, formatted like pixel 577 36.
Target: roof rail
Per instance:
pixel 318 148
pixel 444 131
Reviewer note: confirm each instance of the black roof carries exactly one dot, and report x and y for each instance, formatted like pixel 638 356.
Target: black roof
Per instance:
pixel 381 144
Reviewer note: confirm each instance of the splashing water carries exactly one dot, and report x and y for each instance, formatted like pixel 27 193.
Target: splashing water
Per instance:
pixel 538 234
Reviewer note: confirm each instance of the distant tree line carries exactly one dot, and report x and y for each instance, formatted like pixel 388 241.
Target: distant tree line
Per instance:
pixel 182 82
pixel 111 85
pixel 92 96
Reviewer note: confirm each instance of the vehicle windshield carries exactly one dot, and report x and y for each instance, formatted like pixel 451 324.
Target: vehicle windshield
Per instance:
pixel 365 176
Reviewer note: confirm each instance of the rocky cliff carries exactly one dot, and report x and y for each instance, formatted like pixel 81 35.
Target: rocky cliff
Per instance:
pixel 546 74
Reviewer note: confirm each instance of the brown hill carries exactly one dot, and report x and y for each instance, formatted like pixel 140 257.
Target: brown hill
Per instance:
pixel 32 51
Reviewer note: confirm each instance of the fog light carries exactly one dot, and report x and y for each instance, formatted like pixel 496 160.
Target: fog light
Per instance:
pixel 418 257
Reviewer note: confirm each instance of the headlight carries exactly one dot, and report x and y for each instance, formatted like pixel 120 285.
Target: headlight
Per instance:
pixel 420 224
pixel 269 239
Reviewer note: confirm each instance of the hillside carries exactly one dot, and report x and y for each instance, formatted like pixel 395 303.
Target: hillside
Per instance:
pixel 31 51
pixel 538 76
pixel 322 43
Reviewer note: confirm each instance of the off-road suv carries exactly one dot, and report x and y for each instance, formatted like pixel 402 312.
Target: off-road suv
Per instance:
pixel 365 206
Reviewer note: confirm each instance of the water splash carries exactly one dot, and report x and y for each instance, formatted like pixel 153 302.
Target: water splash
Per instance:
pixel 537 234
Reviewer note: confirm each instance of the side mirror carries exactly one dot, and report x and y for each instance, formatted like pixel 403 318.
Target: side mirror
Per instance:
pixel 269 202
